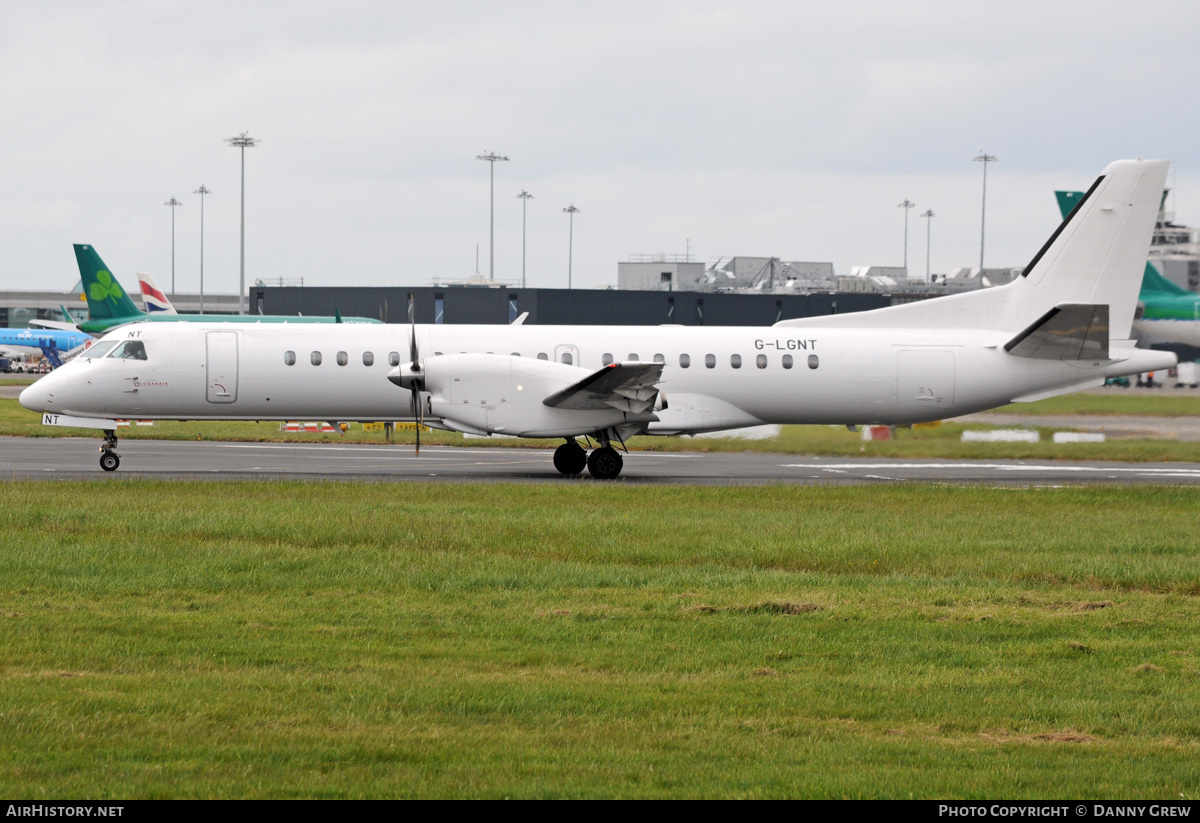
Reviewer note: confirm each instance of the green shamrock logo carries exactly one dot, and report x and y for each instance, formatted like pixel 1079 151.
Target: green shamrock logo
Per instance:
pixel 106 288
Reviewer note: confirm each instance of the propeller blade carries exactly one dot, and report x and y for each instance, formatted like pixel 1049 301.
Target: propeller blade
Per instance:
pixel 412 346
pixel 416 394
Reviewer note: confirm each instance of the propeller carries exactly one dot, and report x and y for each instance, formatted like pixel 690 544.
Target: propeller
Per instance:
pixel 416 368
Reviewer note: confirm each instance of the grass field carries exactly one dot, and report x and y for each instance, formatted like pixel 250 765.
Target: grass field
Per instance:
pixel 944 441
pixel 350 640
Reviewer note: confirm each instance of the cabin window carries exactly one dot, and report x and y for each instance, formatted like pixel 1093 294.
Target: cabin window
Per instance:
pixel 658 358
pixel 393 358
pixel 437 354
pixel 516 354
pixel 130 350
pixel 567 358
pixel 761 361
pixel 710 361
pixel 735 360
pixel 289 358
pixel 787 361
pixel 342 358
pixel 632 358
pixel 368 358
pixel 813 362
pixel 685 360
pixel 543 356
pixel 606 360
pixel 315 358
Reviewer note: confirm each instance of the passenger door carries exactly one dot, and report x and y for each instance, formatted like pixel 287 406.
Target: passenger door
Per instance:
pixel 222 376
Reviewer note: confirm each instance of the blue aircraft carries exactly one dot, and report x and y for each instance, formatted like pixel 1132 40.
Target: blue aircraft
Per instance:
pixel 50 343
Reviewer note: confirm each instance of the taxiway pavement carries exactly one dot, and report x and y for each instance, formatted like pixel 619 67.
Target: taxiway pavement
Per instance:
pixel 78 458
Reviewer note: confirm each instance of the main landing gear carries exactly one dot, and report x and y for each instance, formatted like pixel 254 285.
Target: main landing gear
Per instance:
pixel 109 459
pixel 604 463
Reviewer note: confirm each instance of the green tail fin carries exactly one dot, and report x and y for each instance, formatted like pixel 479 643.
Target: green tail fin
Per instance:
pixel 105 298
pixel 1152 281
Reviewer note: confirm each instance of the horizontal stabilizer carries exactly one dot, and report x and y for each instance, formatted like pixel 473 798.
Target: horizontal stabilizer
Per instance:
pixel 629 387
pixel 1069 331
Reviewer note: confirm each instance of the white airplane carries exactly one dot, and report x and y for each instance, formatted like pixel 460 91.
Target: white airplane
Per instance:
pixel 1061 327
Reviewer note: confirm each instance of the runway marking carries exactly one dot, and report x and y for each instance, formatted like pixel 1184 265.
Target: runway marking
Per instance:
pixel 1013 467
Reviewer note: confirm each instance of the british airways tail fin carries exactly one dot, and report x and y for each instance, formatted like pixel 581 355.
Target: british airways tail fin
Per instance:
pixel 153 298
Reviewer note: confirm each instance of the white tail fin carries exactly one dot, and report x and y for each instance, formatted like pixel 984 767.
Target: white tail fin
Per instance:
pixel 1095 257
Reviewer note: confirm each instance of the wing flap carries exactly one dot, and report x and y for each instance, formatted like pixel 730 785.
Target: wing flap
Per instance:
pixel 629 387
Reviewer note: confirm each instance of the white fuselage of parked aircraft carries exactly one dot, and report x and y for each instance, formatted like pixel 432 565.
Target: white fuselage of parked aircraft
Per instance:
pixel 1065 324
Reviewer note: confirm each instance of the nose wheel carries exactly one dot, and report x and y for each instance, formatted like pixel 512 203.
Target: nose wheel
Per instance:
pixel 109 459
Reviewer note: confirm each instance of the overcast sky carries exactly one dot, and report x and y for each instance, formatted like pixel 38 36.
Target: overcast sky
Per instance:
pixel 753 128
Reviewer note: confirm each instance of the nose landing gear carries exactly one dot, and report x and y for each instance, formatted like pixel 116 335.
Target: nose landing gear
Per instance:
pixel 109 459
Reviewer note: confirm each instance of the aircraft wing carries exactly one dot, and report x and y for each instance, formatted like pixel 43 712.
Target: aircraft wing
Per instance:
pixel 631 387
pixel 1069 331
pixel 54 324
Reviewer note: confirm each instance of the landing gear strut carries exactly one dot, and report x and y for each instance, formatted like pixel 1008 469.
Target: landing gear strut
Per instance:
pixel 570 458
pixel 109 459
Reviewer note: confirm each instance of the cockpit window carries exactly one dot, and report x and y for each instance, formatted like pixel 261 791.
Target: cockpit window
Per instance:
pixel 130 350
pixel 99 349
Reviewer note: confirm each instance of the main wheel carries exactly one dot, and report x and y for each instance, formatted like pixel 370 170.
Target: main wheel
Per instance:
pixel 109 461
pixel 570 458
pixel 605 463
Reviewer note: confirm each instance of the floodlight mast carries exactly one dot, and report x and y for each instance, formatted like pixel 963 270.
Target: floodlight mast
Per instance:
pixel 906 205
pixel 202 191
pixel 928 214
pixel 572 211
pixel 492 159
pixel 984 158
pixel 243 141
pixel 172 203
pixel 525 198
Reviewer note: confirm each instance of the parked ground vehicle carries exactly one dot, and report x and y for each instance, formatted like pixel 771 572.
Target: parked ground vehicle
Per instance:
pixel 1187 374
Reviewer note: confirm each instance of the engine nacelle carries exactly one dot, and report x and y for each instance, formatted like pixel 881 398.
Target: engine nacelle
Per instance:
pixel 501 394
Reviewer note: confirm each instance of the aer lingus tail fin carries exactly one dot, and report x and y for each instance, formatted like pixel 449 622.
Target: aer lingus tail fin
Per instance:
pixel 105 298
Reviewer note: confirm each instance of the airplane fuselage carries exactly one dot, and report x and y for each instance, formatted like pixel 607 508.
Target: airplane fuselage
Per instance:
pixel 712 379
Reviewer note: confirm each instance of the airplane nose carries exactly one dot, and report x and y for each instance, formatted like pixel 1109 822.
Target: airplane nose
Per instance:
pixel 37 397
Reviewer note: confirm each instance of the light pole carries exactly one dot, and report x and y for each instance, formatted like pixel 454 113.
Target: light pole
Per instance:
pixel 572 211
pixel 492 158
pixel 928 215
pixel 906 205
pixel 243 141
pixel 525 198
pixel 202 191
pixel 984 158
pixel 172 203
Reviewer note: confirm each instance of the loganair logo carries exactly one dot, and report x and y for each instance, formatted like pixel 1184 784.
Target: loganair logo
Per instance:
pixel 105 288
